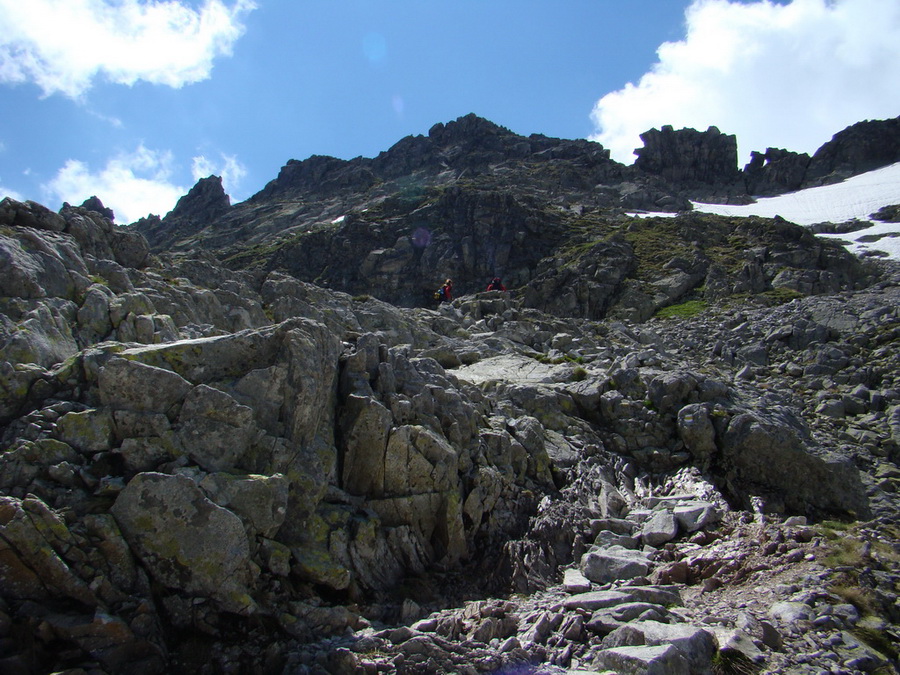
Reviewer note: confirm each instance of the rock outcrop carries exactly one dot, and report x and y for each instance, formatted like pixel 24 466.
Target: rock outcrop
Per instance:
pixel 688 157
pixel 775 172
pixel 203 204
pixel 861 147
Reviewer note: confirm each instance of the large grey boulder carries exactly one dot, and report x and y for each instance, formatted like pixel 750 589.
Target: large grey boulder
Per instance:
pixel 575 582
pixel 765 453
pixel 698 646
pixel 695 515
pixel 696 430
pixel 421 487
pixel 94 322
pixel 30 214
pixel 40 264
pixel 594 600
pixel 643 660
pixel 365 425
pixel 661 527
pixel 89 431
pixel 129 248
pixel 41 334
pixel 671 390
pixel 609 564
pixel 187 542
pixel 34 542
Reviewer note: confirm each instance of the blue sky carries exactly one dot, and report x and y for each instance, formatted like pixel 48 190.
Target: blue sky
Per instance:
pixel 134 101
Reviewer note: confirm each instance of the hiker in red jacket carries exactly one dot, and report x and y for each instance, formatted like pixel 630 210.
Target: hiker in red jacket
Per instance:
pixel 496 285
pixel 447 291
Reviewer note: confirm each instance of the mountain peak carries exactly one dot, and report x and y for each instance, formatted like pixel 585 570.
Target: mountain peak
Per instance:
pixel 466 129
pixel 207 197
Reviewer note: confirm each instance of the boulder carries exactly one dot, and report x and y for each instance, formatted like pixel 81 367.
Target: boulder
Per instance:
pixel 34 554
pixel 661 527
pixel 766 453
pixel 575 582
pixel 671 390
pixel 698 646
pixel 695 515
pixel 643 660
pixel 88 431
pixel 365 425
pixel 613 563
pixel 42 334
pixel 594 600
pixel 187 542
pixel 30 214
pixel 696 430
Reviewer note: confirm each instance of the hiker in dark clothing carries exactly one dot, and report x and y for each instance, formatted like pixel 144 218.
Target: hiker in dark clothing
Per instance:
pixel 496 285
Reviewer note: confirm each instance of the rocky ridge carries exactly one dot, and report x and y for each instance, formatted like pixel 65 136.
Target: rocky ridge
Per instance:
pixel 215 470
pixel 471 200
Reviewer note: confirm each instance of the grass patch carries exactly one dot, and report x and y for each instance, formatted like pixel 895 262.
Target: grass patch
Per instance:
pixel 555 361
pixel 732 662
pixel 655 242
pixel 550 361
pixel 847 549
pixel 685 310
pixel 877 639
pixel 844 551
pixel 780 296
pixel 578 374
pixel 853 594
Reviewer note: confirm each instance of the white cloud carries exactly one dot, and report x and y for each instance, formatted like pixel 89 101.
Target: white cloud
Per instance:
pixel 133 185
pixel 12 194
pixel 228 168
pixel 63 45
pixel 785 75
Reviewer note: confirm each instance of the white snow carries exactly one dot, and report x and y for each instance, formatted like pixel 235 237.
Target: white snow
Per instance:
pixel 651 214
pixel 855 198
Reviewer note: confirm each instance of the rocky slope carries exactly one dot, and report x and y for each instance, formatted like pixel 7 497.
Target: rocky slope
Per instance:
pixel 215 470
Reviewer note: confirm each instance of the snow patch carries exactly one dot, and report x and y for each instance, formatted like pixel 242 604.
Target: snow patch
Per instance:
pixel 651 214
pixel 854 199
